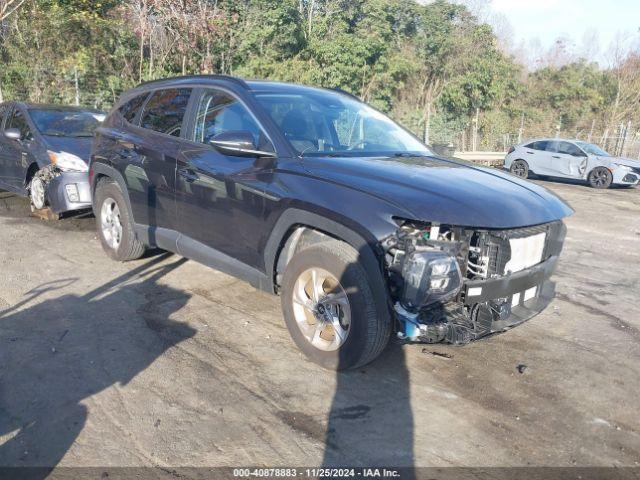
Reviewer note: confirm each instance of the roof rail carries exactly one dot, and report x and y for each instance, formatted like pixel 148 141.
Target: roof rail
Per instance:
pixel 236 80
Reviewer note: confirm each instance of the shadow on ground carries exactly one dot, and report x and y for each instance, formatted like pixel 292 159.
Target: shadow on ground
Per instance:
pixel 371 420
pixel 75 348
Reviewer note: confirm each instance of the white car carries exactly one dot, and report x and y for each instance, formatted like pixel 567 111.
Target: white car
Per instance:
pixel 571 159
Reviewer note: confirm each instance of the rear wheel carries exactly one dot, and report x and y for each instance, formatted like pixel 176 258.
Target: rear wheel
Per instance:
pixel 600 177
pixel 520 168
pixel 329 307
pixel 114 223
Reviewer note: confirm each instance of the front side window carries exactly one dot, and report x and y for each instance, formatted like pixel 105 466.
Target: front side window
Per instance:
pixel 165 111
pixel 18 121
pixel 569 149
pixel 130 109
pixel 66 123
pixel 219 112
pixel 318 122
pixel 592 149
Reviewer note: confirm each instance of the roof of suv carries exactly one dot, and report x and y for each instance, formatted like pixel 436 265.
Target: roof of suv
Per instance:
pixel 251 85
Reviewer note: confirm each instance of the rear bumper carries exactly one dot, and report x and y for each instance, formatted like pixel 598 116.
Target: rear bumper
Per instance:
pixel 60 188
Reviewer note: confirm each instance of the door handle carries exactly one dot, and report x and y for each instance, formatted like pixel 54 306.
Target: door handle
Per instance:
pixel 188 174
pixel 555 156
pixel 530 153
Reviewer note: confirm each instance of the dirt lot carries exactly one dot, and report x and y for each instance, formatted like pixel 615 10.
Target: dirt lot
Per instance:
pixel 164 362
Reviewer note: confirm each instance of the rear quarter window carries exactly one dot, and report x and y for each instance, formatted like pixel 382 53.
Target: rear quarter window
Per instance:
pixel 165 111
pixel 130 109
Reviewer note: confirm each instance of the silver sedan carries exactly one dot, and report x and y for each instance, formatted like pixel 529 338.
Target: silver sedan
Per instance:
pixel 572 159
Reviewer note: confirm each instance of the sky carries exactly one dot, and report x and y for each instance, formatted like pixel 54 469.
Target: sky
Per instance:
pixel 578 20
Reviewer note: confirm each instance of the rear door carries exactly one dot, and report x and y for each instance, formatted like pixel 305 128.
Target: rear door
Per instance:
pixel 150 152
pixel 537 157
pixel 568 160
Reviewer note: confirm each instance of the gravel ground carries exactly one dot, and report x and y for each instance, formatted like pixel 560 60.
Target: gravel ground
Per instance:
pixel 163 362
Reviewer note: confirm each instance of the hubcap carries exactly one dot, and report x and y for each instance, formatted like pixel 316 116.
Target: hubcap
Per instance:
pixel 37 193
pixel 321 309
pixel 111 223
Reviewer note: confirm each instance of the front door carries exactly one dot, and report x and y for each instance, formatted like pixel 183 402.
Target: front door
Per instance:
pixel 568 160
pixel 15 157
pixel 220 198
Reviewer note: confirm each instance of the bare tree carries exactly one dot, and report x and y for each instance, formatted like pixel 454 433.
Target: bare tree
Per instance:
pixel 7 7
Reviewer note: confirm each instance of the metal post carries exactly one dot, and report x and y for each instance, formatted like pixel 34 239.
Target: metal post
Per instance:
pixel 75 73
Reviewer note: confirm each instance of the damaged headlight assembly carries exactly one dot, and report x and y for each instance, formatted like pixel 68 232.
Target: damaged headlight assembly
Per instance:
pixel 67 162
pixel 429 276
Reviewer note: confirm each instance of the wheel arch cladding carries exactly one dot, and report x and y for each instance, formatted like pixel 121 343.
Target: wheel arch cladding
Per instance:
pixel 100 170
pixel 295 224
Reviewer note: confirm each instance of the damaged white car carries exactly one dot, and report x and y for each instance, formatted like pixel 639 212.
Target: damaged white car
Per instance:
pixel 572 159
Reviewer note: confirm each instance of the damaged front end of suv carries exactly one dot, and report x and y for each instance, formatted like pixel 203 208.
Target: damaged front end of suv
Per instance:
pixel 455 284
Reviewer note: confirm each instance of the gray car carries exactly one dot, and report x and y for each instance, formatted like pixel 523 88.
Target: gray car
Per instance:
pixel 44 151
pixel 574 159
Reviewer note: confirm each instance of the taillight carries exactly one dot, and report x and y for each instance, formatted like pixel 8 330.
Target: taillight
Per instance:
pixel 511 150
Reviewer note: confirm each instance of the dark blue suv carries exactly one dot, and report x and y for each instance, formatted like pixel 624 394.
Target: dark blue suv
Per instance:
pixel 313 195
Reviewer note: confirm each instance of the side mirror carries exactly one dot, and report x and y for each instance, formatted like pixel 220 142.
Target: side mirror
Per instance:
pixel 238 143
pixel 13 134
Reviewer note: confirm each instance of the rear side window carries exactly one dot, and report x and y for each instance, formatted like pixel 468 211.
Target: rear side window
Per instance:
pixel 130 109
pixel 540 145
pixel 165 111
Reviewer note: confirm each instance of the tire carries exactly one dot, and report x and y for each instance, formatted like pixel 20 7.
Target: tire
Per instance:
pixel 37 193
pixel 520 168
pixel 600 177
pixel 369 330
pixel 109 196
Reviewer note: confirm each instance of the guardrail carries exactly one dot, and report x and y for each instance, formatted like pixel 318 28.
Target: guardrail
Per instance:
pixel 490 159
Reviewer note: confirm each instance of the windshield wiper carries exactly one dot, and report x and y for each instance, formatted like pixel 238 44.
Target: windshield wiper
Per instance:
pixel 409 154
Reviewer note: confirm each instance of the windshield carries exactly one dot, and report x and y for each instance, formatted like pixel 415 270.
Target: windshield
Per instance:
pixel 326 123
pixel 592 149
pixel 66 123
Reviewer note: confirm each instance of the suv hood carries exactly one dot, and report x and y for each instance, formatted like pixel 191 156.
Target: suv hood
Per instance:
pixel 445 191
pixel 80 146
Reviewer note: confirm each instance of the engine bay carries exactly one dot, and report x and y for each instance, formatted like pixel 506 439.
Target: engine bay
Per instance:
pixel 433 306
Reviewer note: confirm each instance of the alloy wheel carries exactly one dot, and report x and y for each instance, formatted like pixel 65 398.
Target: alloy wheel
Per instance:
pixel 111 223
pixel 600 178
pixel 321 309
pixel 519 169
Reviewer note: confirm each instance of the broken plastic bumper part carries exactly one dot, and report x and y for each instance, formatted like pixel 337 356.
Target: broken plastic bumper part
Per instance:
pixel 485 307
pixel 69 191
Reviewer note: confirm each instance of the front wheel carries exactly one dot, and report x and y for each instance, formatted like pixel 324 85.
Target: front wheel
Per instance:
pixel 520 168
pixel 600 177
pixel 329 308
